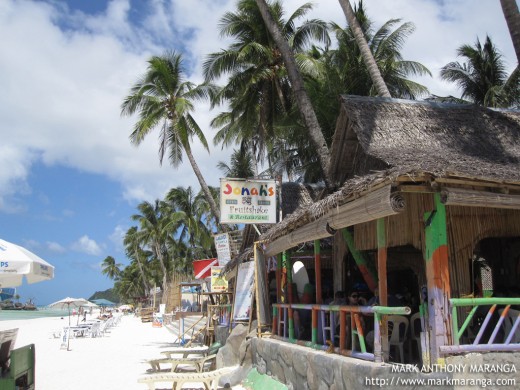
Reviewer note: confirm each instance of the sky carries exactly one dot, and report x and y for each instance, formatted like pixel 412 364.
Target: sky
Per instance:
pixel 69 177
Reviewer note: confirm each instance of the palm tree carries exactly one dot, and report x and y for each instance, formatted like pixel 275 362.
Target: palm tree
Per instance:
pixel 483 78
pixel 110 268
pixel 135 252
pixel 157 223
pixel 305 107
pixel 512 16
pixel 369 60
pixel 192 229
pixel 163 98
pixel 241 164
pixel 385 44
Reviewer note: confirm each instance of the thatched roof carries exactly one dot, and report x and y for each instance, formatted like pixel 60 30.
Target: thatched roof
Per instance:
pixel 466 140
pixel 378 140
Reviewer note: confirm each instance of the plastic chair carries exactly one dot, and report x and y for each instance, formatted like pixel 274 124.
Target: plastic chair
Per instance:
pixel 415 334
pixel 398 330
pixel 507 325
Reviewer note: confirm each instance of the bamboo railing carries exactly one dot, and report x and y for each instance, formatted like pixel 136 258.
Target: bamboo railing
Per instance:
pixel 284 327
pixel 462 336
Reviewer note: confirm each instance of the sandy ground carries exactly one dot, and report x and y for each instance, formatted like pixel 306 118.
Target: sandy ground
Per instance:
pixel 114 361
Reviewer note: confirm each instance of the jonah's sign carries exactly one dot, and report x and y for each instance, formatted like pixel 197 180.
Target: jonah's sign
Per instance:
pixel 247 201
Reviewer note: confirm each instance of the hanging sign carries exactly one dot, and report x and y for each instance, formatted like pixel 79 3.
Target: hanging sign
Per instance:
pixel 218 280
pixel 222 247
pixel 247 201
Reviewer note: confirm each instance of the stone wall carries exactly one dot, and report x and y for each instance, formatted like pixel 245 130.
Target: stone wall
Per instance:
pixel 302 368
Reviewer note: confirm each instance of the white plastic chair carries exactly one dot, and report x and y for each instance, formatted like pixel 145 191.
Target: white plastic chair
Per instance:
pixel 398 330
pixel 415 334
pixel 507 325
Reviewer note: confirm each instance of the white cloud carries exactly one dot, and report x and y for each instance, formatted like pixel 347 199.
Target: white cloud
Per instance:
pixel 55 247
pixel 62 88
pixel 117 237
pixel 87 245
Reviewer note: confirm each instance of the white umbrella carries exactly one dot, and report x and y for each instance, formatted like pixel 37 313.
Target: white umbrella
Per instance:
pixel 66 303
pixel 17 262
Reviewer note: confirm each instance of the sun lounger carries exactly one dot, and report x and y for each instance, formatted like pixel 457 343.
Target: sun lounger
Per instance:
pixel 177 379
pixel 185 352
pixel 198 362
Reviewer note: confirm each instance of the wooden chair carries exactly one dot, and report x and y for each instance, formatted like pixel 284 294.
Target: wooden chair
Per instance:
pixel 210 379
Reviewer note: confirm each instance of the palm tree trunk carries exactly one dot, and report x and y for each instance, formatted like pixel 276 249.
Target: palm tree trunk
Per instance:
pixel 165 281
pixel 302 99
pixel 141 270
pixel 212 205
pixel 512 16
pixel 368 58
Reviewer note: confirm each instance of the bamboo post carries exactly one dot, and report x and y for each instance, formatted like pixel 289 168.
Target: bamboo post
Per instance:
pixel 317 271
pixel 382 256
pixel 288 266
pixel 369 275
pixel 437 277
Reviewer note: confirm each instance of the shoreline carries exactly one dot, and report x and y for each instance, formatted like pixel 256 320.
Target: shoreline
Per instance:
pixel 113 361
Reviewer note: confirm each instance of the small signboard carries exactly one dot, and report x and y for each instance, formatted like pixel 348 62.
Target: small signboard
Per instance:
pixel 222 247
pixel 247 201
pixel 218 280
pixel 244 291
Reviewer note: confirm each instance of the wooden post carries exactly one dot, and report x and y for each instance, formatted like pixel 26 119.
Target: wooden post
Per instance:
pixel 437 278
pixel 382 255
pixel 317 271
pixel 288 267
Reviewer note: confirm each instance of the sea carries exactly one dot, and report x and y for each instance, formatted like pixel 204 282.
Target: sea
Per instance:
pixel 9 315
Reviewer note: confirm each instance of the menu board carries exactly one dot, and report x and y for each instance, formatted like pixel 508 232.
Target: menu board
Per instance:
pixel 244 291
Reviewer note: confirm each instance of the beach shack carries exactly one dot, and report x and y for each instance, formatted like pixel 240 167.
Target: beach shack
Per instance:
pixel 427 209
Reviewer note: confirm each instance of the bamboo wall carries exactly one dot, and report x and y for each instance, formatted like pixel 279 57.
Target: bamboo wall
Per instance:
pixel 174 297
pixel 466 227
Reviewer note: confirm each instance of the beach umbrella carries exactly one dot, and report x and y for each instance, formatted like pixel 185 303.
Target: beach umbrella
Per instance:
pixel 16 262
pixel 103 302
pixel 67 303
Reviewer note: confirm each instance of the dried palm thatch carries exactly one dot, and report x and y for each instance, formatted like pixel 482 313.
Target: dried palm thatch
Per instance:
pixel 467 140
pixel 381 140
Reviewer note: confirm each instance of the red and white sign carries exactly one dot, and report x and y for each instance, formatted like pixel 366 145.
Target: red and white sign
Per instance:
pixel 202 268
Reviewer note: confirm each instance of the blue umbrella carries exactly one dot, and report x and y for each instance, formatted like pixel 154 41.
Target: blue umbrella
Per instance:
pixel 103 302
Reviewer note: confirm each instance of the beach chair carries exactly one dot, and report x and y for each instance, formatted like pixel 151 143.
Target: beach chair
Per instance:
pixel 210 379
pixel 195 361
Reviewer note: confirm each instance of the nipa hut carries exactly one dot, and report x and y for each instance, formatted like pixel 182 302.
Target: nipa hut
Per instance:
pixel 428 211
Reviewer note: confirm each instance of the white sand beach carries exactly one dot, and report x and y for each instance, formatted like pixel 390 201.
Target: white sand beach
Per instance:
pixel 114 361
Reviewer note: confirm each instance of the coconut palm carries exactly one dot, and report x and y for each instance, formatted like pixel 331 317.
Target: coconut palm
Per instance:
pixel 482 77
pixel 164 99
pixel 157 222
pixel 312 125
pixel 135 252
pixel 385 44
pixel 368 58
pixel 191 207
pixel 512 16
pixel 110 268
pixel 258 90
pixel 241 164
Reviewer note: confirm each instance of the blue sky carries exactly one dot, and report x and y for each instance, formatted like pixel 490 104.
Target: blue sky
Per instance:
pixel 69 178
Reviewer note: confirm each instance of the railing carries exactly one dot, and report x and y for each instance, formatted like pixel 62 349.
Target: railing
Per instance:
pixel 283 327
pixel 462 335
